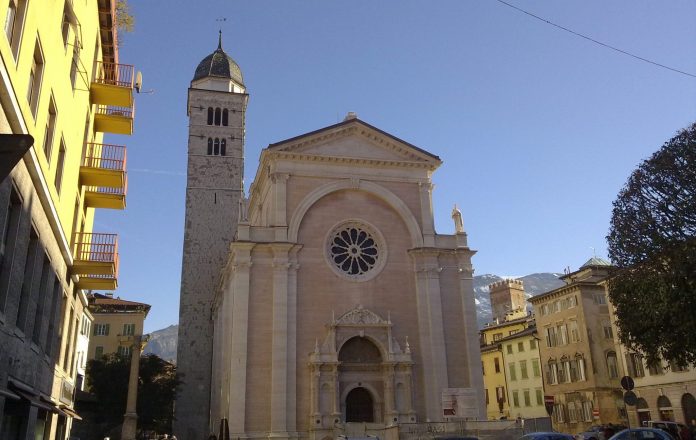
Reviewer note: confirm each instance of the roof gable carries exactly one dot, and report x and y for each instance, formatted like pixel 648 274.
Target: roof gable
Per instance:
pixel 356 139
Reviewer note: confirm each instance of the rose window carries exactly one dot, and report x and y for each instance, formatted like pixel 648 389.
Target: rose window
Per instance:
pixel 354 250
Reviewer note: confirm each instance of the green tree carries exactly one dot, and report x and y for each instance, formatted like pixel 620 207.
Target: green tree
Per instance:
pixel 107 379
pixel 652 243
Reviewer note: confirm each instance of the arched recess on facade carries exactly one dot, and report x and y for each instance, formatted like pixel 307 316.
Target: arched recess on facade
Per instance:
pixel 664 407
pixel 689 407
pixel 643 410
pixel 389 197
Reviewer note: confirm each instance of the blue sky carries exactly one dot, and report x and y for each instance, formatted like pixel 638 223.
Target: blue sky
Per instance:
pixel 538 129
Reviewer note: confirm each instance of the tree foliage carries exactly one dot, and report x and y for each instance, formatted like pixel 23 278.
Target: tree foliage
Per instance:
pixel 652 243
pixel 124 19
pixel 107 379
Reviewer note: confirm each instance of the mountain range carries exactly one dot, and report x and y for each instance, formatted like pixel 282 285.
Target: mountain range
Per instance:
pixel 163 342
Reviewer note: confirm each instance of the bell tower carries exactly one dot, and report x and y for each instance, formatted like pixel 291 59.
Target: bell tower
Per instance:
pixel 216 108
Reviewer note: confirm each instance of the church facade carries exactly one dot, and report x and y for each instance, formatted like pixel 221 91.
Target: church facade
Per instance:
pixel 334 300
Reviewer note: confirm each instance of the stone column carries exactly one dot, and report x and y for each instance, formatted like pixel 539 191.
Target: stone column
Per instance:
pixel 466 292
pixel 292 342
pixel 315 371
pixel 431 331
pixel 239 309
pixel 336 390
pixel 279 218
pixel 390 412
pixel 279 355
pixel 130 418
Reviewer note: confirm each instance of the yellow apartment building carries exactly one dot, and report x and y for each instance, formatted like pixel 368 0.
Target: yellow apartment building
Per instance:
pixel 115 322
pixel 580 357
pixel 507 391
pixel 60 83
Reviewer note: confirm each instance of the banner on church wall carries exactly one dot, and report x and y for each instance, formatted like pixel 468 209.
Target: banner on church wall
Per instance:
pixel 459 403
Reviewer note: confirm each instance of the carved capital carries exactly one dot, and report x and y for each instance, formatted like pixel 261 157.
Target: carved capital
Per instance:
pixel 279 177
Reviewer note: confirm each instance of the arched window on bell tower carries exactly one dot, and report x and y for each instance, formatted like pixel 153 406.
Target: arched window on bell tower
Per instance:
pixel 225 117
pixel 223 146
pixel 217 115
pixel 216 147
pixel 210 146
pixel 210 116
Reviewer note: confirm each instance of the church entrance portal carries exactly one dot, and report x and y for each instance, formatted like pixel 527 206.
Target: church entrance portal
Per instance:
pixel 359 407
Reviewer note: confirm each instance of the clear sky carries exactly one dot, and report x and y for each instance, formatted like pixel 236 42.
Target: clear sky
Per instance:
pixel 538 129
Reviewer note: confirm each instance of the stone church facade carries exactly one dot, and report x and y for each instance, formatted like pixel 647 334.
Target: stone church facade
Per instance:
pixel 336 300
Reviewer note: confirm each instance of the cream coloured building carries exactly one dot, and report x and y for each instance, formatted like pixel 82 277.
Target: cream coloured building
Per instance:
pixel 337 301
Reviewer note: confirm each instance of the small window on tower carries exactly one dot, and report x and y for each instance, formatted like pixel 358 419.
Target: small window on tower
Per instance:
pixel 225 117
pixel 216 147
pixel 223 146
pixel 210 116
pixel 210 146
pixel 217 116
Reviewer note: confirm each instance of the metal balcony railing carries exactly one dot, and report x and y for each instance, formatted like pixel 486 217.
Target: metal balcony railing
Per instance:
pixel 120 75
pixel 110 110
pixel 96 248
pixel 105 156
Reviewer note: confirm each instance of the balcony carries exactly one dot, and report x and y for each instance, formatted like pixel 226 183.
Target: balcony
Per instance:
pixel 103 172
pixel 113 85
pixel 113 119
pixel 96 260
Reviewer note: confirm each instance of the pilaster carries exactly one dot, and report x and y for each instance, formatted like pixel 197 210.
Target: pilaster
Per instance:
pixel 426 205
pixel 241 265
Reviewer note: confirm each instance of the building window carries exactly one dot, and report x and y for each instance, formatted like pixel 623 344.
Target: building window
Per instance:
pixel 574 331
pixel 608 333
pixel 527 398
pixel 8 241
pixel 59 166
pixel 572 415
pixel 75 64
pixel 210 146
pixel 98 352
pixel 561 371
pixel 216 147
pixel 483 368
pixel 14 23
pixel 544 310
pixel 218 115
pixel 50 130
pixel 496 363
pixel 128 329
pixel 562 334
pixel 536 371
pixel 210 116
pixel 513 372
pixel 225 117
pixel 515 399
pixel 508 347
pixel 655 368
pixel 101 329
pixel 223 147
pixel 600 298
pixel 552 373
pixel 523 370
pixel 497 336
pixel 487 401
pixel 123 351
pixel 532 344
pixel 355 250
pixel 35 77
pixel 520 347
pixel 612 366
pixel 634 363
pixel 587 410
pixel 539 396
pixel 551 337
pixel 558 413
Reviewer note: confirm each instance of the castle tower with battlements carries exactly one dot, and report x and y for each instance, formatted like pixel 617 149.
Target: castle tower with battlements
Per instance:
pixel 507 296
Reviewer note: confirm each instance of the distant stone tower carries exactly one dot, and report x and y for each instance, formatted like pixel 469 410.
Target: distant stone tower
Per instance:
pixel 506 296
pixel 216 109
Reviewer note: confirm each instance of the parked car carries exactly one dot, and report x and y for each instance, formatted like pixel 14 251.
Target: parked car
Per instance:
pixel 672 427
pixel 598 432
pixel 547 436
pixel 642 434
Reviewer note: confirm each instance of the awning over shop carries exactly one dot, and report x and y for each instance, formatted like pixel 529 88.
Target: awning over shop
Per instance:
pixel 33 400
pixel 9 394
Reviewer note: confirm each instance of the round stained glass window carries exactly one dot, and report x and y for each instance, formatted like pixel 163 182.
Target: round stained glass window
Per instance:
pixel 355 250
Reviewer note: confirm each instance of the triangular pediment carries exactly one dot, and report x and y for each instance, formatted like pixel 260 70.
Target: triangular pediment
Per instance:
pixel 356 139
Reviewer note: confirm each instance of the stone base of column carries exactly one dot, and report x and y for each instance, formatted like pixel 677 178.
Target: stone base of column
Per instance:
pixel 130 423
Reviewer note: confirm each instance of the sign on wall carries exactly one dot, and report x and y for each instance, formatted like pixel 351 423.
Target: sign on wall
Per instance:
pixel 460 403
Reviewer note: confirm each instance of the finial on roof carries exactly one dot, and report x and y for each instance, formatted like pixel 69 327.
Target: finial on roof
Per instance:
pixel 220 39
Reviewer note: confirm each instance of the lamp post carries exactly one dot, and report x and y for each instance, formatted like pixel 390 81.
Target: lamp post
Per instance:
pixel 130 418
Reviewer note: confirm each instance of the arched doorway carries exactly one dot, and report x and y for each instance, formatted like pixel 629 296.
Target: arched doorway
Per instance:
pixel 689 408
pixel 643 411
pixel 664 407
pixel 359 406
